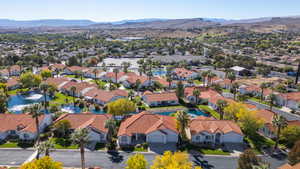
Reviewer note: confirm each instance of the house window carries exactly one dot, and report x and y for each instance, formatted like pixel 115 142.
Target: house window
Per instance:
pixel 207 137
pixel 12 132
pixel 124 139
pixel 26 136
pixel 198 138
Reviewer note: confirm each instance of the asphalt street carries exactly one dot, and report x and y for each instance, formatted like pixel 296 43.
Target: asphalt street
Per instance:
pixel 71 158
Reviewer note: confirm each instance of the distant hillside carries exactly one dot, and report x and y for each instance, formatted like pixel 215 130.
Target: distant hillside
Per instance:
pixel 46 22
pixel 160 24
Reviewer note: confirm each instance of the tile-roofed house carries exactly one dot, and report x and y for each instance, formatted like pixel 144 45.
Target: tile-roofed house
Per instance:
pixel 184 74
pixel 57 67
pixel 103 97
pixel 208 94
pixel 14 70
pixel 215 132
pixel 161 99
pixel 112 76
pixel 12 83
pixel 131 79
pixel 58 82
pixel 81 88
pixel 254 90
pixel 21 125
pixel 268 128
pixel 148 127
pixel 290 100
pixel 288 166
pixel 94 122
pixel 73 69
pixel 94 73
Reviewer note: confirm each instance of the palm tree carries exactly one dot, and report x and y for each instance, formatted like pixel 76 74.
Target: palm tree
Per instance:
pixel 44 87
pixel 196 94
pixel 234 89
pixel 231 76
pixel 263 86
pixel 73 89
pixel 35 112
pixel 116 71
pixel 210 75
pixel 271 99
pixel 111 125
pixel 169 80
pixel 95 71
pixel 130 94
pixel 81 138
pixel 221 105
pixel 45 147
pixel 279 122
pixel 298 72
pixel 204 75
pixel 182 123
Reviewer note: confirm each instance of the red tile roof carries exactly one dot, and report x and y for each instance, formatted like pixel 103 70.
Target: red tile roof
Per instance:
pixel 182 72
pixel 145 123
pixel 167 96
pixel 214 126
pixel 288 166
pixel 56 81
pixel 20 122
pixel 12 82
pixel 95 121
pixel 291 96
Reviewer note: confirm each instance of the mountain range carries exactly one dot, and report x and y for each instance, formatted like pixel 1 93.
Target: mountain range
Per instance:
pixel 154 23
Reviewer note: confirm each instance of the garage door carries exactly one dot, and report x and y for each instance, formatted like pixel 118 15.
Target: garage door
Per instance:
pixel 156 139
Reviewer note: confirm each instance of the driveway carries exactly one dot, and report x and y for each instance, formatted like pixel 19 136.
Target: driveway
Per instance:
pixel 161 148
pixel 14 157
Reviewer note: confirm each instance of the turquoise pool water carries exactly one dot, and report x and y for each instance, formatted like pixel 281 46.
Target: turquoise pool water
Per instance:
pixel 76 110
pixel 17 103
pixel 192 112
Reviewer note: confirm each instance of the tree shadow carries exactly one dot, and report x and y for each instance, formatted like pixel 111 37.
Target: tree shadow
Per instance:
pixel 115 157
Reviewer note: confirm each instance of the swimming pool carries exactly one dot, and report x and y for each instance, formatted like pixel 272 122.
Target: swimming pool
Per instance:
pixel 17 103
pixel 191 112
pixel 77 109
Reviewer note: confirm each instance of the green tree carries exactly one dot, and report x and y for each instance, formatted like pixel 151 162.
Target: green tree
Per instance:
pixel 231 76
pixel 196 94
pixel 46 74
pixel 30 80
pixel 221 104
pixel 61 128
pixel 45 147
pixel 290 135
pixel 294 154
pixel 279 122
pixel 234 89
pixel 43 163
pixel 3 102
pixel 180 90
pixel 136 161
pixel 111 126
pixel 81 138
pixel 44 87
pixel 73 89
pixel 116 71
pixel 248 159
pixel 263 86
pixel 182 123
pixel 121 107
pixel 35 112
pixel 271 100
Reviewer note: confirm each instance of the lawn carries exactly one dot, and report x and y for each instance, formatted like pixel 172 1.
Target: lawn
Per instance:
pixel 60 99
pixel 75 77
pixel 206 151
pixel 61 143
pixel 257 142
pixel 140 149
pixel 262 102
pixel 197 82
pixel 209 110
pixel 226 90
pixel 213 151
pixel 15 145
pixel 14 92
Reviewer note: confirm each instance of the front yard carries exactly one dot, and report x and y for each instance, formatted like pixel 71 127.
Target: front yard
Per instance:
pixel 60 99
pixel 205 151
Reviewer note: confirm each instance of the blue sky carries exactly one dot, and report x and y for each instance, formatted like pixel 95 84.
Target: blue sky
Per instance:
pixel 115 10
